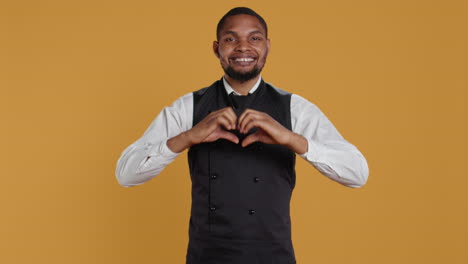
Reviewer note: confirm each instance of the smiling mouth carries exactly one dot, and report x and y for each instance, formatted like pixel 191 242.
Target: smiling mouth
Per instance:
pixel 243 61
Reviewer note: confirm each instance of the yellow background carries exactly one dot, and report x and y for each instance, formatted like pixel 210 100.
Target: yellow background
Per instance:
pixel 82 80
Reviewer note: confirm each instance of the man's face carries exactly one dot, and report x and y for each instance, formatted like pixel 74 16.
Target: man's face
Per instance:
pixel 242 47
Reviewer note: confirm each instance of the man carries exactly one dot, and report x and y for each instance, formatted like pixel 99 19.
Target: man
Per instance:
pixel 242 134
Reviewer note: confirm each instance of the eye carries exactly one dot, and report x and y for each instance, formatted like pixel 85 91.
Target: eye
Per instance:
pixel 256 38
pixel 229 39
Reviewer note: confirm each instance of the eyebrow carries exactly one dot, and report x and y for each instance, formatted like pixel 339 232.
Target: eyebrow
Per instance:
pixel 235 33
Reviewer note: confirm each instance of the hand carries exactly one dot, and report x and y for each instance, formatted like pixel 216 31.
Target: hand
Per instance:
pixel 269 131
pixel 211 127
pixel 208 130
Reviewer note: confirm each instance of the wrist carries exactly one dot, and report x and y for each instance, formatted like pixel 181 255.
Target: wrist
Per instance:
pixel 297 143
pixel 179 143
pixel 186 137
pixel 289 139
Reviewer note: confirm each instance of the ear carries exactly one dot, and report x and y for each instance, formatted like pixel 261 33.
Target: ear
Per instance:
pixel 268 46
pixel 215 48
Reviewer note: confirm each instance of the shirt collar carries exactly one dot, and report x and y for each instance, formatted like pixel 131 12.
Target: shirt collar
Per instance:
pixel 229 89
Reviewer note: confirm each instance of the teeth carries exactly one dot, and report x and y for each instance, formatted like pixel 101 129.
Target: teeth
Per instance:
pixel 244 59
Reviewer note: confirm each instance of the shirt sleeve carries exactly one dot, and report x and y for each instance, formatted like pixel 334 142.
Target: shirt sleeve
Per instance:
pixel 149 155
pixel 327 150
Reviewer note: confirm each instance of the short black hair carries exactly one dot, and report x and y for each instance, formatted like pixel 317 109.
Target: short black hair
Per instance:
pixel 240 11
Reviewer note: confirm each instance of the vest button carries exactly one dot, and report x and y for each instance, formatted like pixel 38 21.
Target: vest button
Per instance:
pixel 256 179
pixel 212 208
pixel 214 176
pixel 251 211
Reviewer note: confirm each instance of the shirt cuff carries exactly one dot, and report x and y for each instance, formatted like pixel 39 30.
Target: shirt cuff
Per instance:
pixel 313 152
pixel 162 149
pixel 157 156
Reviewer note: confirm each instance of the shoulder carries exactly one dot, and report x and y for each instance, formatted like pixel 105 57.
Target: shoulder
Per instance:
pixel 300 101
pixel 205 95
pixel 205 90
pixel 297 102
pixel 277 90
pixel 187 99
pixel 183 101
pixel 200 92
pixel 299 105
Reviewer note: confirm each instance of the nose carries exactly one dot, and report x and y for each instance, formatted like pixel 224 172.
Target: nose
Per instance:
pixel 243 45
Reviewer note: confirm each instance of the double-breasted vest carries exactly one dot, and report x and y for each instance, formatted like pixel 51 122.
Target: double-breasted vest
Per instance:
pixel 241 196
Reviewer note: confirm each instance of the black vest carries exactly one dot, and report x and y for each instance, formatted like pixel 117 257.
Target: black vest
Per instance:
pixel 241 196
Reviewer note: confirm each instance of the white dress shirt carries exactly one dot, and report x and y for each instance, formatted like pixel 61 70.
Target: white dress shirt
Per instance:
pixel 327 150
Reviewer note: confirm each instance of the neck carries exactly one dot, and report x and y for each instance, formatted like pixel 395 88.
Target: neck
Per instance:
pixel 241 87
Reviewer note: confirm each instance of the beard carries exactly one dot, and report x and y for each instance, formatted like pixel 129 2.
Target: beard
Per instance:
pixel 243 76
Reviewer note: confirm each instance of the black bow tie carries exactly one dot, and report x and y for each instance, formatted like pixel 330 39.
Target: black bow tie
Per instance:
pixel 239 101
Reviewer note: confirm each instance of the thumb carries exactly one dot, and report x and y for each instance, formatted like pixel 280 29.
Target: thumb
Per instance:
pixel 250 139
pixel 229 136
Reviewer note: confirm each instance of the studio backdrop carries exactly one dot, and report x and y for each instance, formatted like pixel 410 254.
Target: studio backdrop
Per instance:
pixel 82 80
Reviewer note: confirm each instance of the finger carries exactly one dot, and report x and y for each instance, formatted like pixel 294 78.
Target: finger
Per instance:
pixel 230 110
pixel 228 114
pixel 251 124
pixel 244 114
pixel 250 139
pixel 231 116
pixel 215 113
pixel 247 117
pixel 229 136
pixel 225 122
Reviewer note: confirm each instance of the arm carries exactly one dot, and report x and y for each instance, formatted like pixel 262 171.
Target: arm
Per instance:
pixel 313 137
pixel 327 150
pixel 149 155
pixel 210 129
pixel 170 134
pixel 269 131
